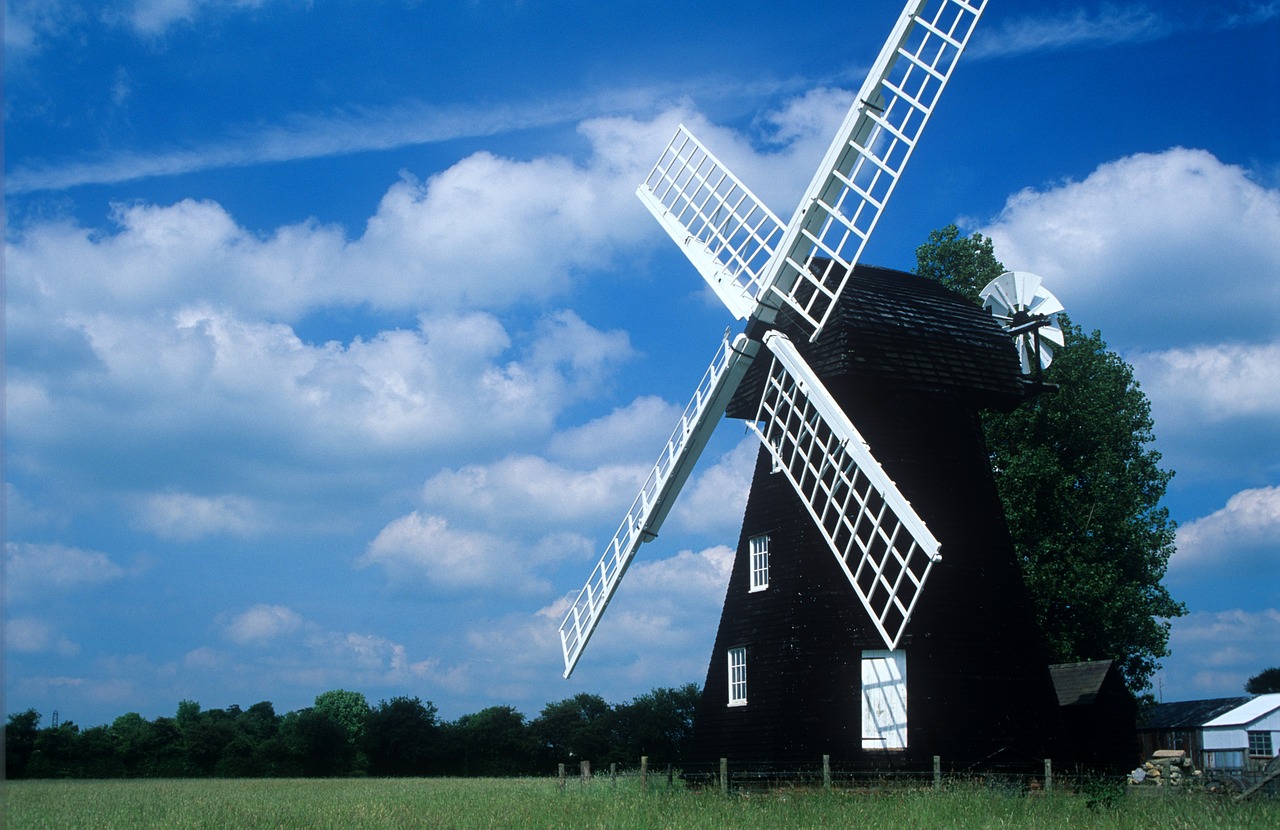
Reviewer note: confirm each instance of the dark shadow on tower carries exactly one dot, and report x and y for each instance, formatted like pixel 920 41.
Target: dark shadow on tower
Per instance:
pixel 912 364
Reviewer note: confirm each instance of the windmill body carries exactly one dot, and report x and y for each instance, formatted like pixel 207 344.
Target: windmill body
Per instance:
pixel 912 364
pixel 899 371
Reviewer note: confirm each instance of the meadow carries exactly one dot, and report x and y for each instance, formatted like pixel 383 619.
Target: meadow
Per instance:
pixel 462 804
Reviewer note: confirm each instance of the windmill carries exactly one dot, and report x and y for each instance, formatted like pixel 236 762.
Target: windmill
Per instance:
pixel 779 687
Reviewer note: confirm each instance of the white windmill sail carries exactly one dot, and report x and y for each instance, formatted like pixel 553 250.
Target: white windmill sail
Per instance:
pixel 882 545
pixel 746 255
pixel 725 230
pixel 856 178
pixel 656 497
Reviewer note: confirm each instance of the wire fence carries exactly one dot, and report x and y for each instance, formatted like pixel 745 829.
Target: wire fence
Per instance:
pixel 1011 779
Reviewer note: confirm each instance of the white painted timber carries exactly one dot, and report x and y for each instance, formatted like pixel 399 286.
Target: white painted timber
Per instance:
pixel 722 227
pixel 882 545
pixel 658 494
pixel 842 205
pixel 884 699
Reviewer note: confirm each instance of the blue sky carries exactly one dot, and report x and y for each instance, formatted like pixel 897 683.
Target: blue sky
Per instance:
pixel 337 343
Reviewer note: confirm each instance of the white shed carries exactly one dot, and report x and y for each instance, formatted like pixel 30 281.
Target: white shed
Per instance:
pixel 1246 737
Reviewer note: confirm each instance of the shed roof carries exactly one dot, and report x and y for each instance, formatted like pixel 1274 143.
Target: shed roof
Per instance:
pixel 1248 712
pixel 1077 684
pixel 1188 714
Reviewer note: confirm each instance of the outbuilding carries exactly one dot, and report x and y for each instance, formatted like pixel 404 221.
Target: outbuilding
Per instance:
pixel 1245 737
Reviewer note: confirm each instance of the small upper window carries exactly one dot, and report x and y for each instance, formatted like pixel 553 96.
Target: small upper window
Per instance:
pixel 1260 745
pixel 759 562
pixel 738 676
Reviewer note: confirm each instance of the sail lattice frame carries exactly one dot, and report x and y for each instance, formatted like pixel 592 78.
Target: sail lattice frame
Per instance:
pixel 655 499
pixel 882 545
pixel 723 228
pixel 861 169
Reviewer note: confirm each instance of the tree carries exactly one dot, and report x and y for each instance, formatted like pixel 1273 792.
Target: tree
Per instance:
pixel 401 737
pixel 1081 489
pixel 658 723
pixel 1264 682
pixel 20 742
pixel 579 728
pixel 493 742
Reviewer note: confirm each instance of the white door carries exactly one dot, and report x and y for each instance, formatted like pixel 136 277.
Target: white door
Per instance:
pixel 884 699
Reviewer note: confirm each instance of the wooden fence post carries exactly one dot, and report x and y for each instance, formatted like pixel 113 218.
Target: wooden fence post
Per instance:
pixel 561 774
pixel 724 775
pixel 670 776
pixel 585 768
pixel 613 774
pixel 826 772
pixel 937 771
pixel 1048 775
pixel 644 773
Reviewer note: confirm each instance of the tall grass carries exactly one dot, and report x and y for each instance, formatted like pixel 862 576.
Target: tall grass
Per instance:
pixel 463 804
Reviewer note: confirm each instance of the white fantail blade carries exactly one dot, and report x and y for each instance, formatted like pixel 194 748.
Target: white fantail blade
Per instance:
pixel 844 202
pixel 658 494
pixel 882 545
pixel 722 227
pixel 1016 299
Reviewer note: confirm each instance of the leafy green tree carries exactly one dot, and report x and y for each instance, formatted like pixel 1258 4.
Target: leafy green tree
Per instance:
pixel 579 728
pixel 658 724
pixel 20 742
pixel 317 744
pixel 1264 682
pixel 495 741
pixel 401 737
pixel 1081 489
pixel 350 709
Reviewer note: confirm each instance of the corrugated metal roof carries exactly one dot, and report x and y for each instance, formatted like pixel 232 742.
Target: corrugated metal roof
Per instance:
pixel 1248 712
pixel 1188 714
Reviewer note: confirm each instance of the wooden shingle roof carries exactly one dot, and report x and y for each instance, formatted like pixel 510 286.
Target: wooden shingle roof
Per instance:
pixel 900 330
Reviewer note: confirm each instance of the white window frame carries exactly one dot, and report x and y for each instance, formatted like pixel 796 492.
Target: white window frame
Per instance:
pixel 884 699
pixel 759 547
pixel 738 676
pixel 1261 745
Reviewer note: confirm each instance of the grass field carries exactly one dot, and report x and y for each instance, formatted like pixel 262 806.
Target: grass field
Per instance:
pixel 444 804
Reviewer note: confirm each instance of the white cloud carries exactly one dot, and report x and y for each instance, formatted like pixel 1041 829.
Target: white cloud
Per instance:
pixel 33 570
pixel 152 18
pixel 1215 652
pixel 717 497
pixel 527 489
pixel 420 549
pixel 186 517
pixel 1244 534
pixel 1211 384
pixel 1158 250
pixel 28 635
pixel 634 432
pixel 1079 28
pixel 261 624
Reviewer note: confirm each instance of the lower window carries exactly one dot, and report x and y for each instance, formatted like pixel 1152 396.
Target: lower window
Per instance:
pixel 738 676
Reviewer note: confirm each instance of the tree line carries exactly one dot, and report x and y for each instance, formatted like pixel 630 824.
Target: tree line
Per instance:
pixel 343 735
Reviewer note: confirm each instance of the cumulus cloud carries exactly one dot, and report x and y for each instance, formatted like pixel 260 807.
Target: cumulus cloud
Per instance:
pixel 1164 249
pixel 718 496
pixel 418 549
pixel 185 517
pixel 1242 535
pixel 1212 384
pixel 33 570
pixel 29 635
pixel 262 624
pixel 1215 652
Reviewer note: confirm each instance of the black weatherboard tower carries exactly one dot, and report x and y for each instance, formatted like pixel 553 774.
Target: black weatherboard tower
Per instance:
pixel 911 363
pixel 829 642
